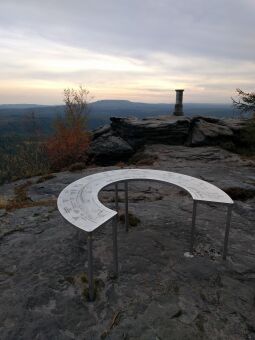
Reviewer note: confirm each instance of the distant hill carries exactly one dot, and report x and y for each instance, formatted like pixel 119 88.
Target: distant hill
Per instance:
pixel 13 116
pixel 20 106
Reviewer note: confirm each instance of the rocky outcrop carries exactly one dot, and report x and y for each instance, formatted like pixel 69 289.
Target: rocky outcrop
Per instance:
pixel 102 130
pixel 126 135
pixel 108 149
pixel 208 133
pixel 163 129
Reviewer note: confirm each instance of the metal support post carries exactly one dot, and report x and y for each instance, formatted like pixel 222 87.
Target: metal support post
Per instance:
pixel 115 246
pixel 90 268
pixel 116 197
pixel 192 236
pixel 126 206
pixel 225 248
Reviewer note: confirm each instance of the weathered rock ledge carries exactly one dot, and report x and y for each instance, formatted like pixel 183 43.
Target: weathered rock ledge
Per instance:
pixel 124 136
pixel 160 294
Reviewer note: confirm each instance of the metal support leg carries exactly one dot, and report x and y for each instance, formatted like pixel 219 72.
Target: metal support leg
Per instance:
pixel 126 205
pixel 90 268
pixel 192 236
pixel 116 197
pixel 115 246
pixel 225 248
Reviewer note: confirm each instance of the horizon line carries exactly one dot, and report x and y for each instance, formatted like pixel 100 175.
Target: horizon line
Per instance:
pixel 121 100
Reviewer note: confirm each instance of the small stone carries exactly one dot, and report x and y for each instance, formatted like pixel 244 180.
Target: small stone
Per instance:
pixel 188 254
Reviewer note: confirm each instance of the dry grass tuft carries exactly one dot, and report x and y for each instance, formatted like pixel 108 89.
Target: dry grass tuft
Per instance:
pixel 21 199
pixel 77 166
pixel 132 219
pixel 3 202
pixel 142 158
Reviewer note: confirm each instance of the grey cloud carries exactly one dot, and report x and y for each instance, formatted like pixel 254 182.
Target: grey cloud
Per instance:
pixel 208 45
pixel 220 28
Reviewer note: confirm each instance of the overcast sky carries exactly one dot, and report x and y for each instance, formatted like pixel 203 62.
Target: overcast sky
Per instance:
pixel 139 50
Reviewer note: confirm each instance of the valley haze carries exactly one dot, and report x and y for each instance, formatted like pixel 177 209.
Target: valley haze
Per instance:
pixel 11 115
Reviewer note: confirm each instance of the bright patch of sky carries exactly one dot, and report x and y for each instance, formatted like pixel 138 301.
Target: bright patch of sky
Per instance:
pixel 136 50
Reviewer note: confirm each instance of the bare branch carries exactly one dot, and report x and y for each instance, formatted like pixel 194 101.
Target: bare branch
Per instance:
pixel 245 101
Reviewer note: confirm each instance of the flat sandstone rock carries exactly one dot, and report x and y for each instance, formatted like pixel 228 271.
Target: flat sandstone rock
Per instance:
pixel 160 293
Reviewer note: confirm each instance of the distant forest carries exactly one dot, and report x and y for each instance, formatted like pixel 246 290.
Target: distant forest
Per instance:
pixel 25 128
pixel 14 119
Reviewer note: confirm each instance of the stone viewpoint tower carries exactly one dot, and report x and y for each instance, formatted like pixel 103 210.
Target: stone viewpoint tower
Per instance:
pixel 178 109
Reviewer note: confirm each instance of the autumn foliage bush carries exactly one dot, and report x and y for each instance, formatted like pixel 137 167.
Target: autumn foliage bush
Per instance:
pixel 70 142
pixel 246 104
pixel 67 146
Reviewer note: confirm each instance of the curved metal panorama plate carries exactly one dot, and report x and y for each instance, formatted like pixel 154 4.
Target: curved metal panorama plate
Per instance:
pixel 79 203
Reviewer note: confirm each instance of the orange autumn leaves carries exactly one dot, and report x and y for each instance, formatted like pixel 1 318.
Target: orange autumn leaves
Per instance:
pixel 67 146
pixel 70 141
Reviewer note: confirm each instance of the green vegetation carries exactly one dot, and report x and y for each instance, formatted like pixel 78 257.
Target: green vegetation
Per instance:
pixel 132 219
pixel 28 152
pixel 81 282
pixel 245 103
pixel 98 285
pixel 21 158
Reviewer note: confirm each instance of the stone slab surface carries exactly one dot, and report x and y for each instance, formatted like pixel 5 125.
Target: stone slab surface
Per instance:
pixel 160 294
